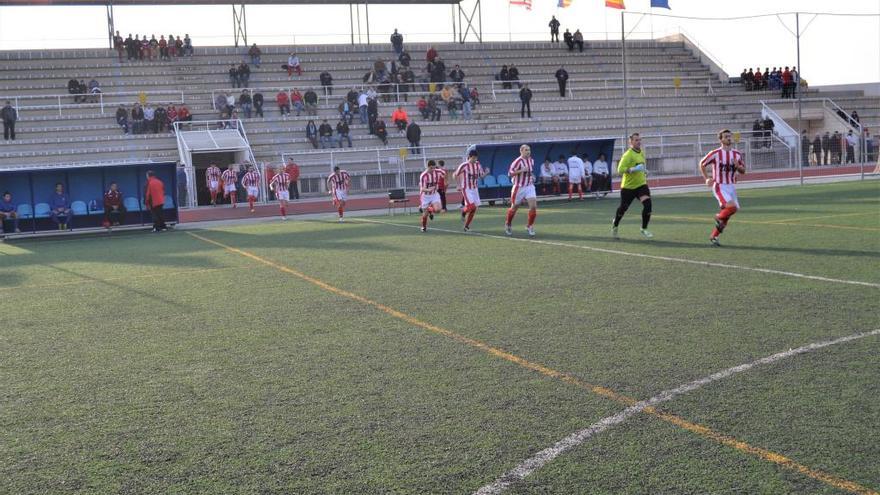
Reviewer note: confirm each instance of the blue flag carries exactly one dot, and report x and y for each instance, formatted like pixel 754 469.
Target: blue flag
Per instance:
pixel 660 4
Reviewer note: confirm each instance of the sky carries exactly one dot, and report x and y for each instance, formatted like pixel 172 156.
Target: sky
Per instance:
pixel 835 49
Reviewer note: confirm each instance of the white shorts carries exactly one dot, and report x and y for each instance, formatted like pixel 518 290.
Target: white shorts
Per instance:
pixel 520 193
pixel 575 179
pixel 229 188
pixel 471 197
pixel 725 194
pixel 429 199
pixel 340 195
pixel 253 191
pixel 282 195
pixel 214 185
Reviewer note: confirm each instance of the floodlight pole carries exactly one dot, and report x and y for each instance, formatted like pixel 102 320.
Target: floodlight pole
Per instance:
pixel 625 85
pixel 239 24
pixel 797 88
pixel 367 10
pixel 110 25
pixel 351 22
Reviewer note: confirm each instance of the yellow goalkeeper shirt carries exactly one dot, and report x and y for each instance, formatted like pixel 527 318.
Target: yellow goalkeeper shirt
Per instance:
pixel 631 159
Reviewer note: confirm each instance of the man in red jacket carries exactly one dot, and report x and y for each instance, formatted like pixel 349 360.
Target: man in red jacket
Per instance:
pixel 155 201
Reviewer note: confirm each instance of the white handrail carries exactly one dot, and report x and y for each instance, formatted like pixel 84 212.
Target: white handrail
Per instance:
pixel 780 126
pixel 100 96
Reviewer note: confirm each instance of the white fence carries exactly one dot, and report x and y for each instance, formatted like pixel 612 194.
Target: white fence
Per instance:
pixel 91 100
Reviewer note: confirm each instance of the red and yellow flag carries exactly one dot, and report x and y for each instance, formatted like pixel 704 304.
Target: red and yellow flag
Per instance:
pixel 614 4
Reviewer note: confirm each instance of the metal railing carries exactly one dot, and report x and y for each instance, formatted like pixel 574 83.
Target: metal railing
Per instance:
pixel 780 126
pixel 610 83
pixel 99 100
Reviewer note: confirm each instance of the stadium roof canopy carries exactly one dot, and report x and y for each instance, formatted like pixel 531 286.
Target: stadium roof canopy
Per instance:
pixel 465 23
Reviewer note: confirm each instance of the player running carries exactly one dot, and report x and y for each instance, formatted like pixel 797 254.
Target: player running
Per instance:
pixel 280 185
pixel 725 162
pixel 523 179
pixel 338 184
pixel 251 183
pixel 429 196
pixel 230 177
pixel 634 185
pixel 212 178
pixel 467 175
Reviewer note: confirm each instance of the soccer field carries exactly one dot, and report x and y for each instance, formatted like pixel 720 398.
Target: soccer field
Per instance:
pixel 314 357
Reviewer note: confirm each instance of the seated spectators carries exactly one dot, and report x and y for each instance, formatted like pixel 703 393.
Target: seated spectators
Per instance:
pixel 578 39
pixel 456 75
pixel 311 102
pixel 172 117
pixel 293 65
pixel 258 104
pixel 245 102
pixel 404 58
pixel 326 134
pixel 122 118
pixel 382 132
pixel 312 133
pixel 569 40
pixel 434 110
pixel 8 214
pixel 431 54
pixel 114 210
pixel 400 118
pixel 59 208
pixel 137 119
pixel 283 102
pixel 149 119
pixel 422 105
pixel 345 111
pixel 296 100
pixel 233 77
pixel 184 115
pixel 342 132
pixel 327 83
pixel 254 53
pixel 161 120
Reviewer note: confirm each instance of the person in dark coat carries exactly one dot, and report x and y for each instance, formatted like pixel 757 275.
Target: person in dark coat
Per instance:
pixel 8 115
pixel 312 133
pixel 562 79
pixel 414 136
pixel 525 97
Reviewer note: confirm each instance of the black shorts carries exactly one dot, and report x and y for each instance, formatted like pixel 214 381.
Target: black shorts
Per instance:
pixel 628 195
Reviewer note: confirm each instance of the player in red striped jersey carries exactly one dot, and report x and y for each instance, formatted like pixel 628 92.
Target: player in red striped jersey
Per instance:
pixel 212 178
pixel 522 175
pixel 230 177
pixel 251 183
pixel 280 184
pixel 467 175
pixel 726 162
pixel 338 184
pixel 430 198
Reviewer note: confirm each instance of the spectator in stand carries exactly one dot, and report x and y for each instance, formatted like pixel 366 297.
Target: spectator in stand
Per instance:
pixel 292 169
pixel 407 78
pixel 149 119
pixel 382 132
pixel 345 112
pixel 759 80
pixel 456 75
pixel 504 77
pixel 114 210
pixel 137 118
pixel 414 136
pixel 465 99
pixel 327 83
pixel 119 45
pixel 83 91
pixel 817 150
pixel 73 88
pixel 154 48
pixel 293 65
pixel 312 133
pixel 554 30
pixel 854 118
pixel 475 97
pixel 786 83
pixel 372 114
pixel 255 53
pixel 826 148
pixel 431 54
pixel 233 77
pixel 8 212
pixel 768 126
pixel 145 48
pixel 8 115
pixel 397 42
pixel 422 106
pixel 513 72
pixel 245 102
pixel 220 103
pixel 184 115
pixel 128 44
pixel 154 199
pixel 244 75
pixel 258 104
pixel 400 118
pixel 765 78
pixel 136 47
pixel 836 148
pixel 562 79
pixel 795 82
pixel 434 110
pixel 311 101
pixel 160 120
pixel 59 208
pixel 601 177
pixel 805 148
pixel 568 38
pixel 163 47
pixel 296 100
pixel 187 48
pixel 172 117
pixel 283 102
pixel 326 133
pixel 343 132
pixel 852 142
pixel 363 102
pixel 525 98
pixel 404 58
pixel 578 39
pixel 122 118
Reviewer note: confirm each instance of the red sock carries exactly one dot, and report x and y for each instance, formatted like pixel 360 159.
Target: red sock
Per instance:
pixel 715 232
pixel 580 192
pixel 251 202
pixel 424 221
pixel 470 217
pixel 430 210
pixel 283 211
pixel 532 215
pixel 510 214
pixel 233 199
pixel 569 190
pixel 726 213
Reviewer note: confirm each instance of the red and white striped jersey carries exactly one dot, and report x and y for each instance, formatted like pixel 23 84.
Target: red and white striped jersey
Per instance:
pixel 724 164
pixel 429 180
pixel 526 178
pixel 280 182
pixel 251 179
pixel 229 176
pixel 441 183
pixel 468 174
pixel 339 181
pixel 212 173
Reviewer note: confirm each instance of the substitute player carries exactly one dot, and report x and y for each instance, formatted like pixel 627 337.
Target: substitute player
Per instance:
pixel 280 185
pixel 212 178
pixel 251 183
pixel 634 185
pixel 230 177
pixel 338 184
pixel 725 162
pixel 523 179
pixel 467 175
pixel 576 172
pixel 429 196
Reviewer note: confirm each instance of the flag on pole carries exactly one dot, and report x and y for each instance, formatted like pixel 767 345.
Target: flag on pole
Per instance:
pixel 525 3
pixel 660 4
pixel 564 3
pixel 614 4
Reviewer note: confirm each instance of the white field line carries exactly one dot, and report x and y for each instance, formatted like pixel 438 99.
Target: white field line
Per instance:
pixel 538 460
pixel 641 255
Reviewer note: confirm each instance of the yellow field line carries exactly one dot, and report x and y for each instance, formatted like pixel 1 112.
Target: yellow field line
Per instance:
pixel 703 431
pixel 116 279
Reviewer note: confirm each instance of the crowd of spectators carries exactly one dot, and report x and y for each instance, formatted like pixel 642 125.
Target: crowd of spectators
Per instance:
pixel 141 48
pixel 82 92
pixel 781 79
pixel 147 119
